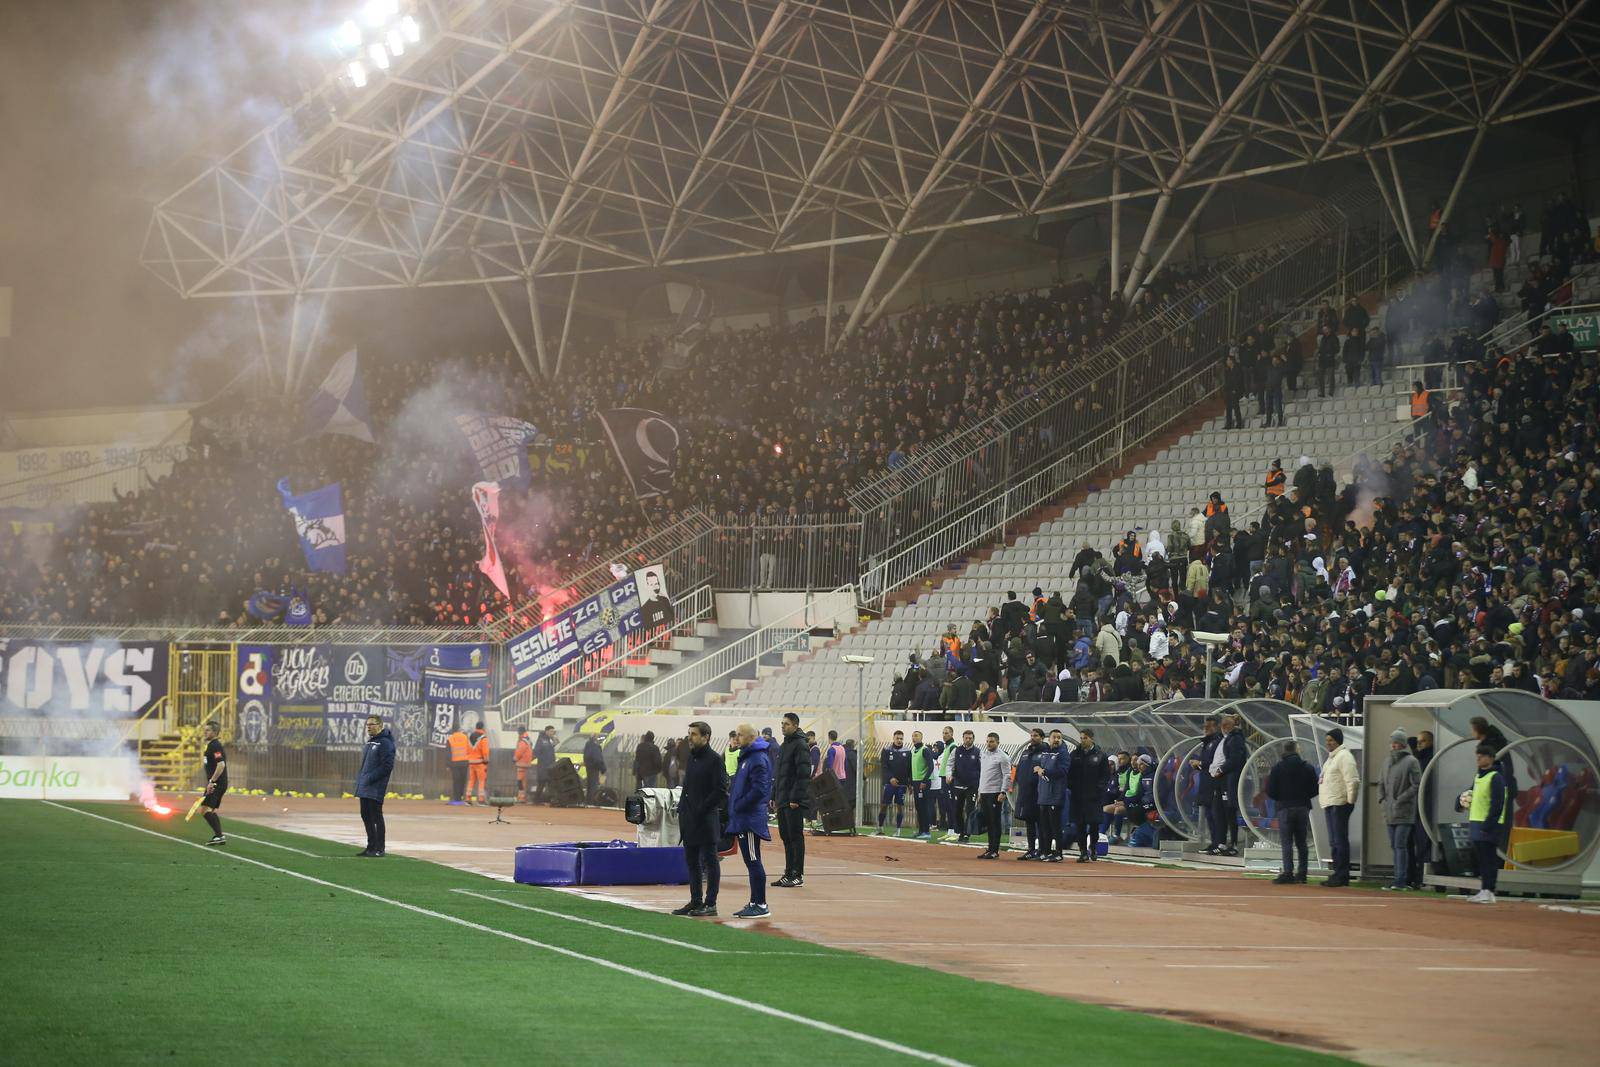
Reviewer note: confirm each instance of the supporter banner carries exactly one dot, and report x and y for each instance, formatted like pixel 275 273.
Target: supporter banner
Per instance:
pixel 583 629
pixel 647 446
pixel 655 603
pixel 110 678
pixel 319 696
pixel 500 444
pixel 1585 328
pixel 455 687
pixel 67 777
pixel 486 498
pixel 319 523
pixel 692 305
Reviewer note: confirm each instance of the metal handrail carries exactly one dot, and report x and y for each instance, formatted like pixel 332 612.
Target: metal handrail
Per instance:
pixel 738 655
pixel 689 610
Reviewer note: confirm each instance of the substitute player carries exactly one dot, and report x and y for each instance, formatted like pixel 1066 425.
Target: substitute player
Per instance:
pixel 216 769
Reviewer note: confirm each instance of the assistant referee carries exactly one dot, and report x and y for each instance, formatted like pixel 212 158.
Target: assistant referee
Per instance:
pixel 216 769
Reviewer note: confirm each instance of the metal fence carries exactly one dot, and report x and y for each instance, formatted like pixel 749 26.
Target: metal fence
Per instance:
pixel 732 660
pixel 754 554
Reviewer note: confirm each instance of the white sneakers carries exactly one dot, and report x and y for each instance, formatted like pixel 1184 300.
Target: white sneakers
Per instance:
pixel 1482 896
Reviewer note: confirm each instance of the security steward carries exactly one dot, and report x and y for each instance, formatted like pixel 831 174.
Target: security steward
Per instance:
pixel 478 765
pixel 460 756
pixel 524 759
pixel 1277 480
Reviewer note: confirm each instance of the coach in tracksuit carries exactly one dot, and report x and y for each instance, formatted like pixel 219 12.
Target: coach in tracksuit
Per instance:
pixel 791 795
pixel 372 782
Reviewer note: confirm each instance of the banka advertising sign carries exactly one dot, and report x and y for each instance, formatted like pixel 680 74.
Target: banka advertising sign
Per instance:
pixel 99 678
pixel 582 630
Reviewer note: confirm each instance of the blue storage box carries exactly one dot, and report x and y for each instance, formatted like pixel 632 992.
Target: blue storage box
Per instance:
pixel 599 863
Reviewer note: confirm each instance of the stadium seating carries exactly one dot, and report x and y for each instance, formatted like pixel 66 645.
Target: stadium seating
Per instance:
pixel 1232 462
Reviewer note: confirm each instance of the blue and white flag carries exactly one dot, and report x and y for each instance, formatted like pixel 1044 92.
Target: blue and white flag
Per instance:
pixel 298 611
pixel 500 444
pixel 319 523
pixel 340 403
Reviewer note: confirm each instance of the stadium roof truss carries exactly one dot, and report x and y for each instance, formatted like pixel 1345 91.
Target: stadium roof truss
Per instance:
pixel 526 141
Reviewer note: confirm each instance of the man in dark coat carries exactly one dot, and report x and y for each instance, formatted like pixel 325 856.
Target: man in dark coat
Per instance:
pixel 1200 766
pixel 1025 803
pixel 791 794
pixel 700 804
pixel 1292 785
pixel 372 783
pixel 1225 787
pixel 647 761
pixel 594 768
pixel 1086 778
pixel 544 760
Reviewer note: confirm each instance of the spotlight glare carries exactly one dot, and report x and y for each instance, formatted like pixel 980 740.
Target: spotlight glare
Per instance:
pixel 348 37
pixel 379 56
pixel 377 12
pixel 358 74
pixel 409 27
pixel 396 43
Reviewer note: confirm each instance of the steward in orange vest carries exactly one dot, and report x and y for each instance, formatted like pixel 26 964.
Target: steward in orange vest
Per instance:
pixel 460 753
pixel 1276 479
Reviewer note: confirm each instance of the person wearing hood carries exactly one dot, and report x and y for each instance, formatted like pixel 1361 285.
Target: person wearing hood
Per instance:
pixel 748 798
pixel 372 783
pixel 1397 793
pixel 791 796
pixel 1292 784
pixel 1108 642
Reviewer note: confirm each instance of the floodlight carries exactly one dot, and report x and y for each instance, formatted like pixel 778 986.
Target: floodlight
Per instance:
pixel 358 74
pixel 379 56
pixel 348 37
pixel 396 43
pixel 409 27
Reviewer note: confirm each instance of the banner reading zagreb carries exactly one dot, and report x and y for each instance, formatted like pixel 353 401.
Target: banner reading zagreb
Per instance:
pixel 587 627
pixel 99 677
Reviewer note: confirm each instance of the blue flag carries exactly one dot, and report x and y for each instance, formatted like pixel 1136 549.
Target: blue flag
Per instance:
pixel 340 403
pixel 319 523
pixel 298 612
pixel 264 605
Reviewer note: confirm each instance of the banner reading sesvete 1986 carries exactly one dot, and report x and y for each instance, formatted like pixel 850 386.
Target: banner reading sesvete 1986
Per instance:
pixel 583 629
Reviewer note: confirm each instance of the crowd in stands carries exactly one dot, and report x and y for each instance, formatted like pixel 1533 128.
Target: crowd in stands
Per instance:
pixel 1465 558
pixel 772 426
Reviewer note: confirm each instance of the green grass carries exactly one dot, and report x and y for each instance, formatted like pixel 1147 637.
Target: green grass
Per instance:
pixel 125 947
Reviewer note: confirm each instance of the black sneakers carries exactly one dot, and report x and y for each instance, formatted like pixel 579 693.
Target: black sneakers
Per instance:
pixel 217 839
pixel 704 911
pixel 687 909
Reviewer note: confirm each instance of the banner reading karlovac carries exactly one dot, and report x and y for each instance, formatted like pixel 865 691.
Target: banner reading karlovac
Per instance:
pixel 455 688
pixel 319 524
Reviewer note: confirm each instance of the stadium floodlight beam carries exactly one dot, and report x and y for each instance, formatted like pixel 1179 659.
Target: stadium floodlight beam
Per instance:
pixel 348 37
pixel 395 42
pixel 412 31
pixel 378 12
pixel 379 56
pixel 358 73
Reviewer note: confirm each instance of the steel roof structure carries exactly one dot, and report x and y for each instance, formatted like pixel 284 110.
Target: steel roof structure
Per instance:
pixel 533 143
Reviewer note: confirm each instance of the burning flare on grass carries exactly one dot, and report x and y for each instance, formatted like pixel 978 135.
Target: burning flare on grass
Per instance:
pixel 147 797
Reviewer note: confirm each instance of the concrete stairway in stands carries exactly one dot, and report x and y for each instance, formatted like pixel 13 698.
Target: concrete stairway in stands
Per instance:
pixel 1232 462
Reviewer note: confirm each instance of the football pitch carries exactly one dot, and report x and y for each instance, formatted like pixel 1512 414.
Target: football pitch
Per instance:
pixel 127 941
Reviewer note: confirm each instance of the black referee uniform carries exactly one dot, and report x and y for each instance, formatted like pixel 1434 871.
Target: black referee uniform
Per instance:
pixel 214 757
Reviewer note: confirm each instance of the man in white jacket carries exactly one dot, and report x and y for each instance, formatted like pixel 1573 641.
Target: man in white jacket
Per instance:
pixel 1337 792
pixel 994 771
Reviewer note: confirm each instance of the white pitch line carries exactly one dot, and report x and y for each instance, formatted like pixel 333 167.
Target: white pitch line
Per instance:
pixel 1221 966
pixel 1486 970
pixel 1203 947
pixel 1355 905
pixel 273 844
pixel 942 885
pixel 599 961
pixel 589 922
